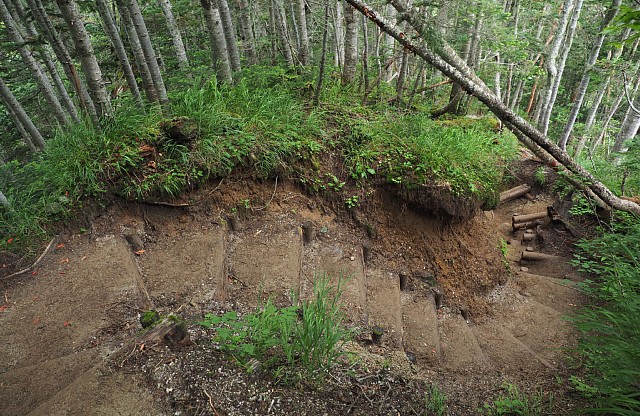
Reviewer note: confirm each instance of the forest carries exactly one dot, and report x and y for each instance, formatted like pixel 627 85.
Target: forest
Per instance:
pixel 144 100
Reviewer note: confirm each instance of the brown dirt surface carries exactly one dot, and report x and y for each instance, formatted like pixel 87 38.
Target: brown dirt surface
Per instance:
pixel 72 342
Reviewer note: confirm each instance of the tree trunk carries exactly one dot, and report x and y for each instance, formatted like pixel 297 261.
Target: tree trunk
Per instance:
pixel 248 41
pixel 147 49
pixel 36 70
pixel 138 54
pixel 323 57
pixel 304 53
pixel 51 34
pixel 465 76
pixel 551 63
pixel 174 31
pixel 281 24
pixel 20 15
pixel 586 76
pixel 350 45
pixel 30 132
pixel 113 35
pixel 630 123
pixel 218 43
pixel 561 65
pixel 365 54
pixel 84 50
pixel 229 35
pixel 339 34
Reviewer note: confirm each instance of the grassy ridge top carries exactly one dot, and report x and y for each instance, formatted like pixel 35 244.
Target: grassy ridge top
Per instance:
pixel 264 124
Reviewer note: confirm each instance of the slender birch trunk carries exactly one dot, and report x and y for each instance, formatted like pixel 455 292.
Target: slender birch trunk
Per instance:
pixel 64 57
pixel 36 70
pixel 248 41
pixel 20 15
pixel 630 122
pixel 350 45
pixel 218 43
pixel 323 57
pixel 114 36
pixel 281 25
pixel 84 50
pixel 29 131
pixel 147 49
pixel 304 53
pixel 229 35
pixel 586 76
pixel 174 31
pixel 339 34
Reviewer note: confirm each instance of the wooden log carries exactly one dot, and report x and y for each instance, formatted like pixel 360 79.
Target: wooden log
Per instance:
pixel 529 236
pixel 529 217
pixel 521 225
pixel 535 256
pixel 514 193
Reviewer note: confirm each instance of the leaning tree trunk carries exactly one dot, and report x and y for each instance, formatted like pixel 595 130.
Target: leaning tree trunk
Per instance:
pixel 147 49
pixel 84 50
pixel 323 57
pixel 20 15
pixel 36 70
pixel 350 45
pixel 248 41
pixel 304 53
pixel 176 36
pixel 586 76
pixel 31 134
pixel 118 46
pixel 511 119
pixel 281 25
pixel 229 35
pixel 218 44
pixel 64 57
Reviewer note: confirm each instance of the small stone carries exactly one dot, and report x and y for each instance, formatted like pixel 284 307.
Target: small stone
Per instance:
pixel 524 269
pixel 352 258
pixel 529 248
pixel 412 357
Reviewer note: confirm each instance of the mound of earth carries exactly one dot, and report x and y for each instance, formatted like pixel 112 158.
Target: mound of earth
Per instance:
pixel 459 307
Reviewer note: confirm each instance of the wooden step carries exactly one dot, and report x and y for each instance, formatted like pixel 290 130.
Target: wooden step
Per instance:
pixel 562 295
pixel 190 267
pixel 461 351
pixel 383 304
pixel 420 331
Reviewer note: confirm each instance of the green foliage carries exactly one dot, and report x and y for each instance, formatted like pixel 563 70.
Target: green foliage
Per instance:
pixel 435 402
pixel 466 159
pixel 514 402
pixel 295 342
pixel 503 246
pixel 608 348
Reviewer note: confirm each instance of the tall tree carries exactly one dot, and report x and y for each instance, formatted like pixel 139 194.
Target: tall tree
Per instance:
pixel 147 48
pixel 586 76
pixel 248 41
pixel 229 35
pixel 350 45
pixel 29 131
pixel 174 31
pixel 84 50
pixel 114 35
pixel 304 52
pixel 64 57
pixel 217 41
pixel 36 70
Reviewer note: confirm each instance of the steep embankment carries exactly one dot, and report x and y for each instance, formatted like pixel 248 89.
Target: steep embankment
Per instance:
pixel 69 331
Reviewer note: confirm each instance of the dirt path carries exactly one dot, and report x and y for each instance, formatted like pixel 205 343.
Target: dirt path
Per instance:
pixel 66 330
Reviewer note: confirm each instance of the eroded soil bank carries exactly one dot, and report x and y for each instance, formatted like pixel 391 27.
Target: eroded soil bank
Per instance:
pixel 73 343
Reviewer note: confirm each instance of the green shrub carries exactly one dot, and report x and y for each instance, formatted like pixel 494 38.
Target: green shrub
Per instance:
pixel 514 402
pixel 435 401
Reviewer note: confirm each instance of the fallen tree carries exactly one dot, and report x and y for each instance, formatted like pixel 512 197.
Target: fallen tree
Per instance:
pixel 441 56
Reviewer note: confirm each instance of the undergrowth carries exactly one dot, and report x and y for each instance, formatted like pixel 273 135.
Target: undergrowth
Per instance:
pixel 263 125
pixel 295 343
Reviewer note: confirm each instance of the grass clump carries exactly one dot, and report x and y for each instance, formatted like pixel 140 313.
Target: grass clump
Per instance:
pixel 512 401
pixel 295 343
pixel 414 150
pixel 435 401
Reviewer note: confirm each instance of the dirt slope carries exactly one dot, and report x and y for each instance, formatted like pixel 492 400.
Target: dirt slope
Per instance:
pixel 68 330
